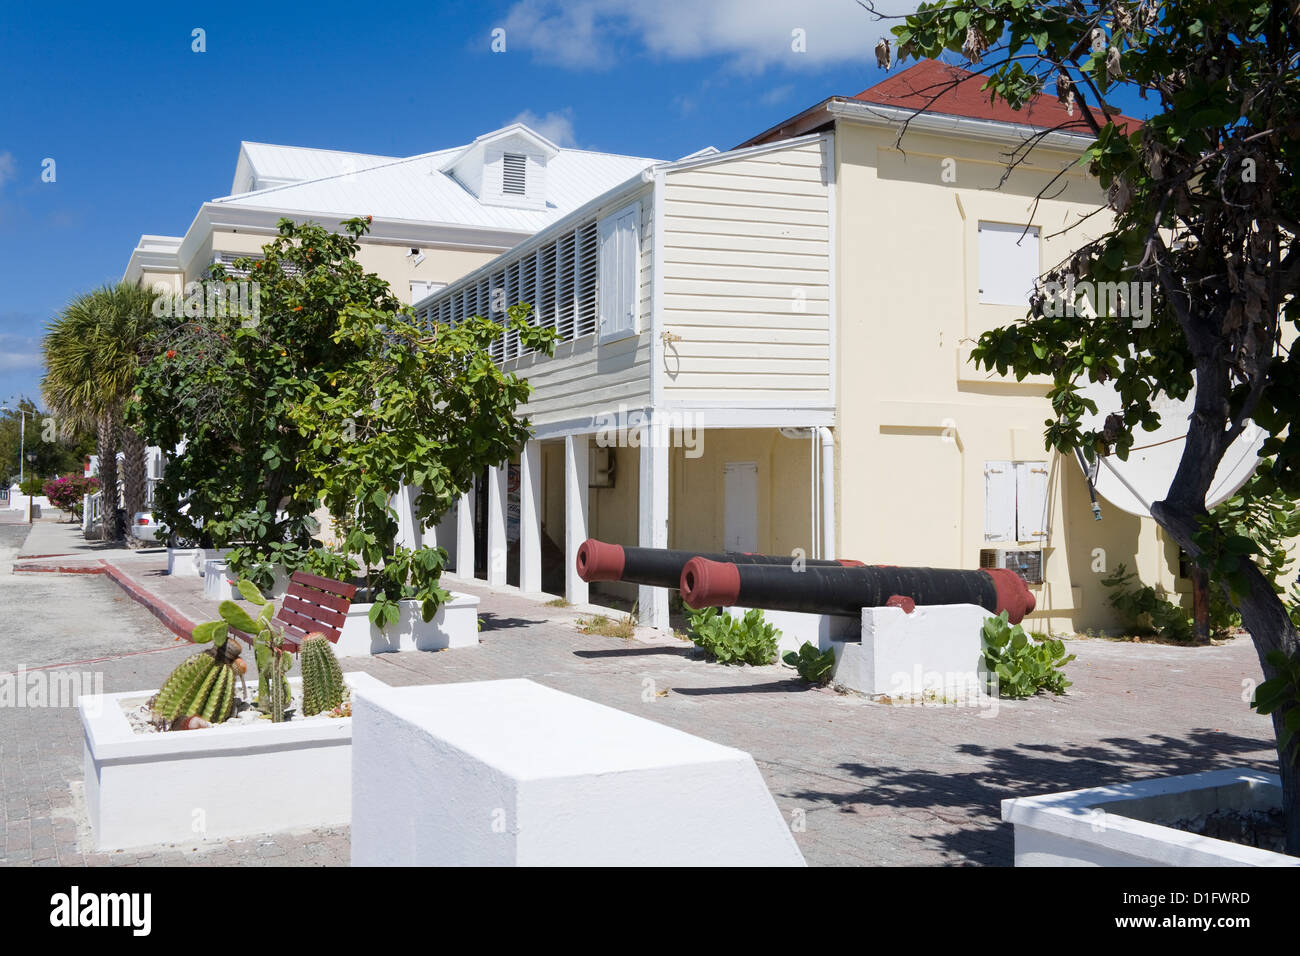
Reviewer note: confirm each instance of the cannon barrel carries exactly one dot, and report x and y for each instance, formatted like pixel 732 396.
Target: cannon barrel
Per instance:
pixel 847 590
pixel 660 567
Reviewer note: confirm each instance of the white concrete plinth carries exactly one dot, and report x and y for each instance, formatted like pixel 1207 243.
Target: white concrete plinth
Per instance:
pixel 455 625
pixel 1111 826
pixel 230 780
pixel 192 562
pixel 218 585
pixel 511 773
pixel 796 627
pixel 936 648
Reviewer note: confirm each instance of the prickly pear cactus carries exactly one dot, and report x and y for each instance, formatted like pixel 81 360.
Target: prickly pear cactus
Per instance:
pixel 322 678
pixel 202 686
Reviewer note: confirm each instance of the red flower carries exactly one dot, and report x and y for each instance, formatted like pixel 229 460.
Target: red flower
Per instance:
pixel 171 353
pixel 297 308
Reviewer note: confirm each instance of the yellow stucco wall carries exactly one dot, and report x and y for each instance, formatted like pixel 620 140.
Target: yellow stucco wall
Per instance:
pixel 390 262
pixel 697 499
pixel 915 421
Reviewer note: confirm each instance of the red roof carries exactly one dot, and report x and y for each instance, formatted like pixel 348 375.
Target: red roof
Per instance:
pixel 915 87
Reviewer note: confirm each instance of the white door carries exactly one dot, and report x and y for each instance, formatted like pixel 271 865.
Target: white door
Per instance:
pixel 740 532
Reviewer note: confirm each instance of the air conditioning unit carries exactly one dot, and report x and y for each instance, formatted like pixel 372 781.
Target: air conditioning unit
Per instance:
pixel 1026 563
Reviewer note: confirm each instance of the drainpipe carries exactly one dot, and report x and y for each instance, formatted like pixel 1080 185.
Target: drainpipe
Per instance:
pixel 828 491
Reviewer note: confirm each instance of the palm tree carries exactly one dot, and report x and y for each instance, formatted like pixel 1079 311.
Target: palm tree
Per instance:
pixel 92 351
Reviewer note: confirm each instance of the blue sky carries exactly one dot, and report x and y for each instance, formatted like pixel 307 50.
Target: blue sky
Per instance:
pixel 142 129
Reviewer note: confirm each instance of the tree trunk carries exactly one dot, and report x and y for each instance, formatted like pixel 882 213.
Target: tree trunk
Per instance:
pixel 107 449
pixel 133 472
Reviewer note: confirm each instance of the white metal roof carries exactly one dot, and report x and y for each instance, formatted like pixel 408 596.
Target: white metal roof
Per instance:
pixel 263 164
pixel 418 189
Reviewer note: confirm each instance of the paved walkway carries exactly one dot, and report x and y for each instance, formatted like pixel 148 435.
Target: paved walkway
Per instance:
pixel 862 782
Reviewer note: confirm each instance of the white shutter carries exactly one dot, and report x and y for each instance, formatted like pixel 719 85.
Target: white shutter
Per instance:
pixel 588 262
pixel 1031 500
pixel 619 264
pixel 1008 263
pixel 999 501
pixel 564 319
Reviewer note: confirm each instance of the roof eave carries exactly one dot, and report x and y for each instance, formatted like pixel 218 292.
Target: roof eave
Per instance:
pixel 995 131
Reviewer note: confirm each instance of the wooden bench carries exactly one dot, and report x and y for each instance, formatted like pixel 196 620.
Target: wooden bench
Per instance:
pixel 312 605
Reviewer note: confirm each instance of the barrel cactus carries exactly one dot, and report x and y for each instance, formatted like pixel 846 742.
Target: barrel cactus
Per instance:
pixel 322 678
pixel 202 686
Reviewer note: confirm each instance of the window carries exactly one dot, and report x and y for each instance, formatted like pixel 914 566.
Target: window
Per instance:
pixel 1015 500
pixel 1008 263
pixel 619 255
pixel 514 168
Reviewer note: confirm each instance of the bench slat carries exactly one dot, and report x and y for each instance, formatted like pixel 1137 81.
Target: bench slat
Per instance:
pixel 331 601
pixel 324 584
pixel 314 611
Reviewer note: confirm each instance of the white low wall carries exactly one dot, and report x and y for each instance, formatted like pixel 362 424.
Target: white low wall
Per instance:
pixel 936 648
pixel 192 562
pixel 1110 826
pixel 796 627
pixel 454 625
pixel 231 780
pixel 511 773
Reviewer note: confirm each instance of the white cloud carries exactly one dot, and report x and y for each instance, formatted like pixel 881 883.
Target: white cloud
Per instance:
pixel 557 125
pixel 16 360
pixel 750 34
pixel 8 167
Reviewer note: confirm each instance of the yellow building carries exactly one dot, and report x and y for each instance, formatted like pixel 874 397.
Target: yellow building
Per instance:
pixel 767 349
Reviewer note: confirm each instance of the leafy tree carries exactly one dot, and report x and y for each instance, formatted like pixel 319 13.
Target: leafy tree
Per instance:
pixel 1202 201
pixel 55 451
pixel 222 386
pixel 332 395
pixel 420 407
pixel 93 350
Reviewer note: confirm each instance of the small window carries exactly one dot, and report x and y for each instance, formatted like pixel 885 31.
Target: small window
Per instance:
pixel 1008 263
pixel 514 167
pixel 1015 500
pixel 619 239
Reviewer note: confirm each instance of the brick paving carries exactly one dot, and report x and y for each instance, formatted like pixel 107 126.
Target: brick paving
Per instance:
pixel 862 782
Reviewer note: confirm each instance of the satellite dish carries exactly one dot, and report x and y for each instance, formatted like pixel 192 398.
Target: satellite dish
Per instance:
pixel 1145 477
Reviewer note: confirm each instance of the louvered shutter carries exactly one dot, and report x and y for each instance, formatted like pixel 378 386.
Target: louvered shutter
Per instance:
pixel 619 255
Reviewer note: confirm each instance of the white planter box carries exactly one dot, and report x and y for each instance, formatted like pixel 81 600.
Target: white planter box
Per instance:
pixel 235 779
pixel 455 625
pixel 190 562
pixel 217 583
pixel 1110 826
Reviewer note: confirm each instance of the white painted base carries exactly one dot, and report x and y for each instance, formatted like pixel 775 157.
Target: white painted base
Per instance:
pixel 934 648
pixel 1108 826
pixel 234 779
pixel 821 630
pixel 455 625
pixel 511 773
pixel 217 583
pixel 192 562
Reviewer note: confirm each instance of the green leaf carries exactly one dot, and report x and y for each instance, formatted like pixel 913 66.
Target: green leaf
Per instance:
pixel 237 617
pixel 250 592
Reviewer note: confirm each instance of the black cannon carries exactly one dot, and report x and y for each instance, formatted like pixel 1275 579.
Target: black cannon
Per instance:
pixel 662 568
pixel 847 590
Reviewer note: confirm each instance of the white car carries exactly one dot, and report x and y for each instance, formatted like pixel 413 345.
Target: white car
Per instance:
pixel 145 526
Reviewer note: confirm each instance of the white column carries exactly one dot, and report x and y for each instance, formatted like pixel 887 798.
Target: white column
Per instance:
pixel 496 530
pixel 408 531
pixel 465 535
pixel 576 465
pixel 652 603
pixel 530 517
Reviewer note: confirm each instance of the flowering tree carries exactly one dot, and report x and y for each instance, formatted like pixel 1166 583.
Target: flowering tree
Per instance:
pixel 66 493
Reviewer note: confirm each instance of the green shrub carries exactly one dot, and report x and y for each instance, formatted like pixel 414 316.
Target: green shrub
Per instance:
pixel 1022 667
pixel 813 665
pixel 1147 610
pixel 33 485
pixel 730 640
